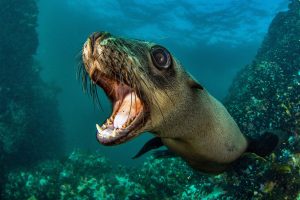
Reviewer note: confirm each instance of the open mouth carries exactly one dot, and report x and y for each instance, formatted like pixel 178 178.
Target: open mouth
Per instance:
pixel 128 114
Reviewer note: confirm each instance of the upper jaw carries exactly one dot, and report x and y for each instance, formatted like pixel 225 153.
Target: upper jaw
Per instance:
pixel 128 117
pixel 108 135
pixel 130 110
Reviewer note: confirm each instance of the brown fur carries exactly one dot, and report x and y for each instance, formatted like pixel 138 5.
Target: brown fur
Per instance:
pixel 190 121
pixel 197 127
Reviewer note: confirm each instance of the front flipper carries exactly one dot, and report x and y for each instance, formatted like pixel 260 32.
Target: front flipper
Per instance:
pixel 266 143
pixel 154 143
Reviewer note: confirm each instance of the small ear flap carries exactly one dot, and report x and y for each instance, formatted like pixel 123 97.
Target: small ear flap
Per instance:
pixel 194 84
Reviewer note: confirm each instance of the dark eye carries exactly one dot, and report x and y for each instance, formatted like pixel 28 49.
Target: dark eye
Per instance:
pixel 160 57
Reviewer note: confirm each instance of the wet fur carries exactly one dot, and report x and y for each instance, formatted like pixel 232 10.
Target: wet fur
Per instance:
pixel 189 120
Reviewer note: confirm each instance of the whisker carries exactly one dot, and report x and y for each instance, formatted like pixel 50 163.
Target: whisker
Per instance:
pixel 98 102
pixel 130 85
pixel 134 86
pixel 130 106
pixel 153 97
pixel 79 54
pixel 88 86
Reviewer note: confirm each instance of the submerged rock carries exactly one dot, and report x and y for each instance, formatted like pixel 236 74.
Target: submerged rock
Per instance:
pixel 30 127
pixel 91 176
pixel 80 176
pixel 266 94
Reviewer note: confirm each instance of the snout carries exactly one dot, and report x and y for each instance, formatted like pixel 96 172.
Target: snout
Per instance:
pixel 97 37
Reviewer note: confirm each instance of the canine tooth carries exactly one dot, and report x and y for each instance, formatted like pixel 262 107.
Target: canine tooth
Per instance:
pixel 104 126
pixel 99 128
pixel 99 134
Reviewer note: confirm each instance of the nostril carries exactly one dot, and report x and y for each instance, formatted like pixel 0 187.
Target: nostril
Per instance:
pixel 95 36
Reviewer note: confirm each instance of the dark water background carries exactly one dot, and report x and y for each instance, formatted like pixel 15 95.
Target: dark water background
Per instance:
pixel 213 40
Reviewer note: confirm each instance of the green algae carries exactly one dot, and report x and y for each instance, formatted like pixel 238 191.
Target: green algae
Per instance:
pixel 91 176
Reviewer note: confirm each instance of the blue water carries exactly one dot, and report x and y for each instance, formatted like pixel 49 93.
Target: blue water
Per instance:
pixel 48 146
pixel 213 40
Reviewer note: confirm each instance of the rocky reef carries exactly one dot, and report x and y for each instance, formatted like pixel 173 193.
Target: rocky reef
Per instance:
pixel 92 176
pixel 30 128
pixel 265 95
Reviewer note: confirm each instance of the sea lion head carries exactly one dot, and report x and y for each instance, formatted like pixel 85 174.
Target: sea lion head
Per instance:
pixel 147 86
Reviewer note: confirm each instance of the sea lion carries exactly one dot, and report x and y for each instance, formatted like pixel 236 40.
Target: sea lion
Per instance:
pixel 151 92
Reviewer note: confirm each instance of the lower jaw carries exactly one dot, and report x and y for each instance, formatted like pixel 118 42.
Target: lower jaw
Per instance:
pixel 123 135
pixel 116 141
pixel 131 129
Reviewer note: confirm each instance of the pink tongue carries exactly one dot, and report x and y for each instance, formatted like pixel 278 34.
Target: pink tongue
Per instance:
pixel 128 110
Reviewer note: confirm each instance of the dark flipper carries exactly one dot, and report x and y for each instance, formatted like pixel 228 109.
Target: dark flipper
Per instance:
pixel 154 143
pixel 264 145
pixel 164 154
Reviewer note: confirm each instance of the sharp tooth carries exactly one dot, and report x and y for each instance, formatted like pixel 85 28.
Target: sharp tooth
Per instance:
pixel 104 126
pixel 114 133
pixel 99 129
pixel 128 122
pixel 109 121
pixel 131 120
pixel 99 134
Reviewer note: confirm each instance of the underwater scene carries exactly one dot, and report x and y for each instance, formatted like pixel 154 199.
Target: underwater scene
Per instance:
pixel 142 100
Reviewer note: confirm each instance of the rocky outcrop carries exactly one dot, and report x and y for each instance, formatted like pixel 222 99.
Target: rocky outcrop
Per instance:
pixel 266 94
pixel 30 128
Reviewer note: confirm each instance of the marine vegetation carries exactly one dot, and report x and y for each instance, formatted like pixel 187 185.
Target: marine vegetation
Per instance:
pixel 264 96
pixel 30 128
pixel 92 176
